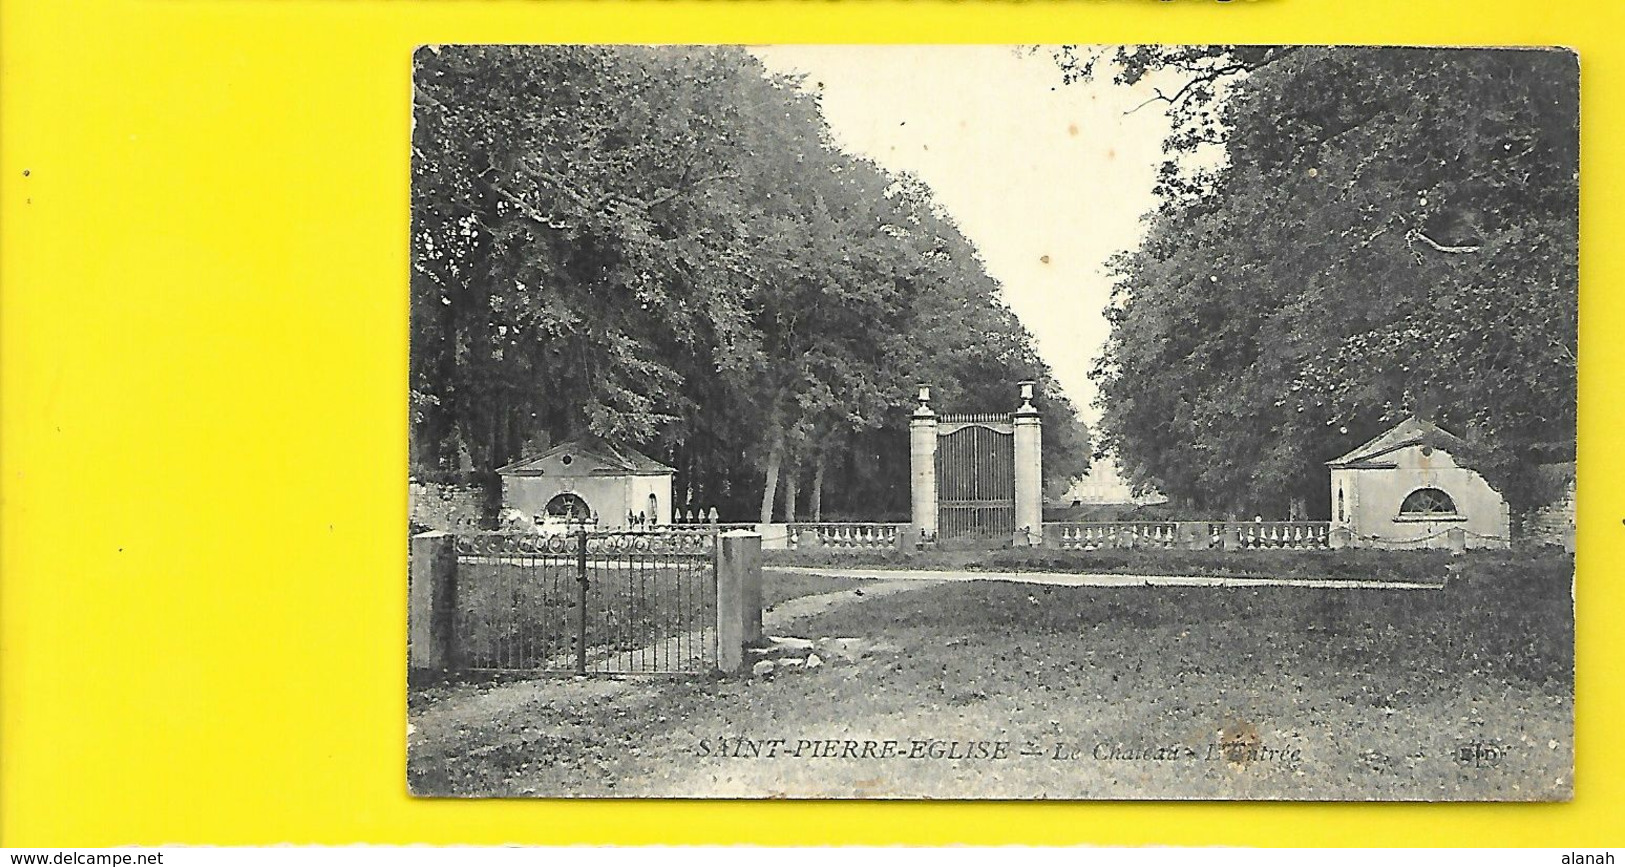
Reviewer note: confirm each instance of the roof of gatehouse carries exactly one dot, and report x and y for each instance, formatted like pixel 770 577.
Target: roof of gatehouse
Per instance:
pixel 590 456
pixel 1410 432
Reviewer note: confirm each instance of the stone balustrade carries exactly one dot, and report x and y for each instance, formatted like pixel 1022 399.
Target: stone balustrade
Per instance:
pixel 851 536
pixel 1092 535
pixel 1189 535
pixel 1274 535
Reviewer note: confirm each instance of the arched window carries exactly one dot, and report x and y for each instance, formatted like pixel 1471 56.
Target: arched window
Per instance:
pixel 1428 503
pixel 570 506
pixel 654 509
pixel 1340 504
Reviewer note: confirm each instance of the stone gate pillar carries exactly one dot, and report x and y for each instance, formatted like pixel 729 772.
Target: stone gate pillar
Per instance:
pixel 922 432
pixel 1029 448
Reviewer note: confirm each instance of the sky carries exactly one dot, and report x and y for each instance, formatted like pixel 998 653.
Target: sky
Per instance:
pixel 1047 179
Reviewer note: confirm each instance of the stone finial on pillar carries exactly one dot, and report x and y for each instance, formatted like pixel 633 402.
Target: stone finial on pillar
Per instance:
pixel 1027 386
pixel 1029 449
pixel 922 430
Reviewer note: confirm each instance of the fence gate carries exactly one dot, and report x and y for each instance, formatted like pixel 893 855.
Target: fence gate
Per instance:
pixel 976 478
pixel 586 602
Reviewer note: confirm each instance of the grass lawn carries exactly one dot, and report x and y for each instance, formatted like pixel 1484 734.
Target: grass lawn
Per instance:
pixel 1347 564
pixel 1127 692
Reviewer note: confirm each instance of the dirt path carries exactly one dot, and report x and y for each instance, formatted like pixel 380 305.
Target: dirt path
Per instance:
pixel 1069 579
pixel 807 606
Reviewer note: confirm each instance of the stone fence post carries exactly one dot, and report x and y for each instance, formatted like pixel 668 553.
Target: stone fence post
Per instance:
pixel 806 538
pixel 1029 457
pixel 1456 540
pixel 1340 538
pixel 908 538
pixel 922 460
pixel 739 597
pixel 1193 535
pixel 431 602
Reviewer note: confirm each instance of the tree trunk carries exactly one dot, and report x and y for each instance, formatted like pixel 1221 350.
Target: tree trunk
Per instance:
pixel 790 496
pixel 1517 523
pixel 517 437
pixel 774 458
pixel 487 461
pixel 818 489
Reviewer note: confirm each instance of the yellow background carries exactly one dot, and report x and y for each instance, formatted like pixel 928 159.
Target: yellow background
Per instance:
pixel 204 270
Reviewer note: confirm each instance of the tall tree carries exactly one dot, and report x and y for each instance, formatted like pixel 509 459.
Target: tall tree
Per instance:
pixel 663 246
pixel 1383 232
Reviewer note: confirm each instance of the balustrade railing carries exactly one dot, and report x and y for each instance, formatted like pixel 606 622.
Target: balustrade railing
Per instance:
pixel 1192 535
pixel 1272 535
pixel 859 536
pixel 1092 535
pixel 695 516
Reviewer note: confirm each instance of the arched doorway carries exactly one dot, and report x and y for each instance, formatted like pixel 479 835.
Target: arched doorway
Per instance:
pixel 569 507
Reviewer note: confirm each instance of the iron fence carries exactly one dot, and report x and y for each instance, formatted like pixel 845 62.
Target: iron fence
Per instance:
pixel 586 602
pixel 976 482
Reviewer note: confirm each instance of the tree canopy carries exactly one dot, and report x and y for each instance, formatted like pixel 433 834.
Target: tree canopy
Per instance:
pixel 1346 236
pixel 664 247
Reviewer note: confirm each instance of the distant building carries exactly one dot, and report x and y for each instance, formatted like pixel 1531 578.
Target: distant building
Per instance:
pixel 589 481
pixel 1404 489
pixel 1104 485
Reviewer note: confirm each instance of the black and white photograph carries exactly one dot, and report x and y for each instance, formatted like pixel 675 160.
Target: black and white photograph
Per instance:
pixel 1179 422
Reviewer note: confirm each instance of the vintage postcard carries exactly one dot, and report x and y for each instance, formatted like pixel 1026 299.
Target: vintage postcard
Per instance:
pixel 993 422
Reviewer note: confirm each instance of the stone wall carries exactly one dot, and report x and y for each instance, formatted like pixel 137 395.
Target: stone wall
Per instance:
pixel 440 506
pixel 1551 524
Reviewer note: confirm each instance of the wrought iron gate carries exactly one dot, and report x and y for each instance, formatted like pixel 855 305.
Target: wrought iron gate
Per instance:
pixel 976 477
pixel 586 602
